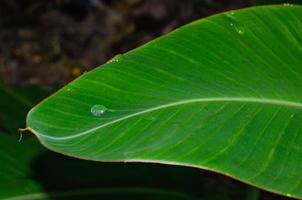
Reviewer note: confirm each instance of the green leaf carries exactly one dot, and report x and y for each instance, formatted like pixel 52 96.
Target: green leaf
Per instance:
pixel 28 171
pixel 15 159
pixel 222 93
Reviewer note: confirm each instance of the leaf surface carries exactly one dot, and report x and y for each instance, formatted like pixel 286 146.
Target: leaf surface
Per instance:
pixel 222 93
pixel 25 171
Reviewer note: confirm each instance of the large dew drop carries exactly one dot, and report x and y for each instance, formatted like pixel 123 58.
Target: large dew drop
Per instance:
pixel 98 110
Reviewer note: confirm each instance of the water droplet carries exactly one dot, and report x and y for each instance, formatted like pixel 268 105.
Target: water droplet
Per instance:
pixel 117 58
pixel 240 30
pixel 287 4
pixel 289 195
pixel 234 23
pixel 231 14
pixel 98 110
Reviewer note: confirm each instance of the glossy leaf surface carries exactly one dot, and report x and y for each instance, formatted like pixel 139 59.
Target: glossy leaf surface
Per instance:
pixel 29 171
pixel 222 93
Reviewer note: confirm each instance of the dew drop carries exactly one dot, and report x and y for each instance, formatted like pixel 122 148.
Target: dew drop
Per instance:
pixel 117 58
pixel 234 23
pixel 98 110
pixel 240 30
pixel 231 14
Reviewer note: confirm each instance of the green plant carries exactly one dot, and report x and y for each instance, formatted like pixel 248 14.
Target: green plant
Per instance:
pixel 222 94
pixel 28 171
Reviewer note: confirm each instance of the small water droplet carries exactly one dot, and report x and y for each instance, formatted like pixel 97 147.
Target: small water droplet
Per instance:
pixel 98 110
pixel 117 58
pixel 231 14
pixel 240 30
pixel 289 195
pixel 234 23
pixel 287 4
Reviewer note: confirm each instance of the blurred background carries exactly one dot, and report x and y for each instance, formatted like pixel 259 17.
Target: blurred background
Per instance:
pixel 46 44
pixel 52 42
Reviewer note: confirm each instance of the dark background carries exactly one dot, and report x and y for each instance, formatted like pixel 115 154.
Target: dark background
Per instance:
pixel 52 42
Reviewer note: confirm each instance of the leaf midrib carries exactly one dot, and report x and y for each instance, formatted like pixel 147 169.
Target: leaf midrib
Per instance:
pixel 283 103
